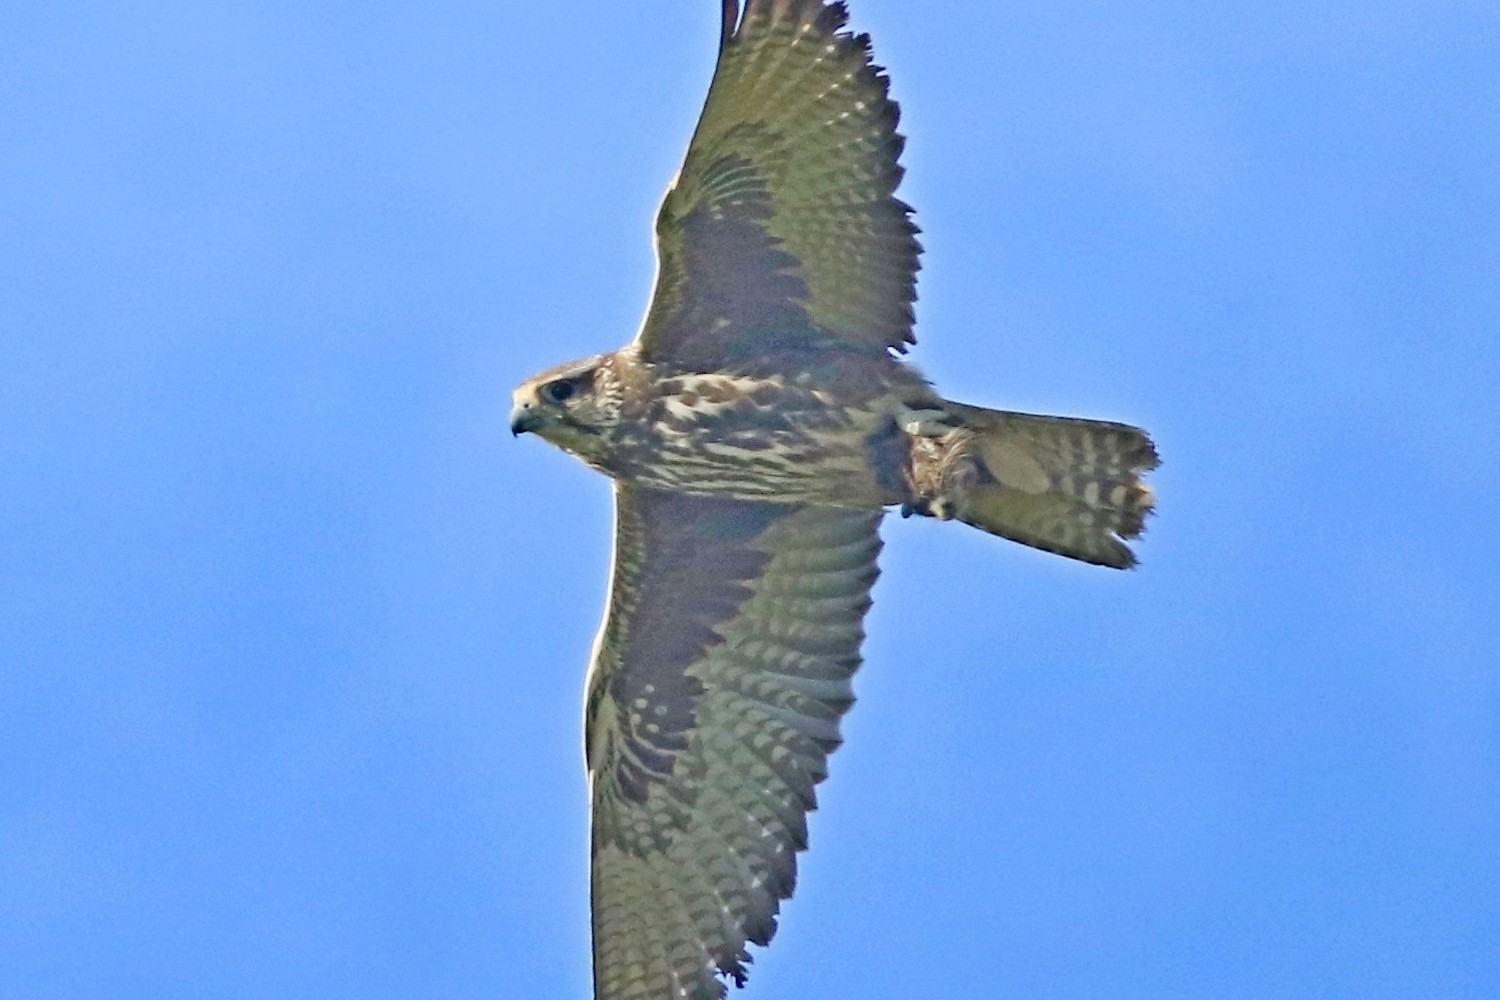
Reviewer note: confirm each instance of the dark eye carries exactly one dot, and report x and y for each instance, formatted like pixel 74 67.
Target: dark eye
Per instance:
pixel 560 391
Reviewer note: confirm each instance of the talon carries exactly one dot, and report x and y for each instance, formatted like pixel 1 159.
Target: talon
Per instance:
pixel 925 423
pixel 921 507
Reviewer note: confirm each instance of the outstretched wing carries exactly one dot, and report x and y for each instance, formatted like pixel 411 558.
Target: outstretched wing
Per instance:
pixel 782 232
pixel 719 679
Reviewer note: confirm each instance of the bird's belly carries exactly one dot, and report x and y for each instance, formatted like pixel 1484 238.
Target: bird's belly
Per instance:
pixel 834 458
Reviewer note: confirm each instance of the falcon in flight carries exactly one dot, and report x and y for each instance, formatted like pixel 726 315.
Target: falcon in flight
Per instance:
pixel 757 430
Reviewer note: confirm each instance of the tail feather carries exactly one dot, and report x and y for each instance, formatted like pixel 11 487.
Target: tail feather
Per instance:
pixel 1061 484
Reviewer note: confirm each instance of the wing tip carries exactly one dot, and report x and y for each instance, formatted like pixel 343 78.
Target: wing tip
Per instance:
pixel 827 18
pixel 729 20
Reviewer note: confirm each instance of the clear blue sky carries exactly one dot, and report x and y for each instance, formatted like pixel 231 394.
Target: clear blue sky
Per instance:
pixel 293 632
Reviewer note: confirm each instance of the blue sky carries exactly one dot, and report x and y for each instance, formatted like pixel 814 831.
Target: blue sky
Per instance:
pixel 294 632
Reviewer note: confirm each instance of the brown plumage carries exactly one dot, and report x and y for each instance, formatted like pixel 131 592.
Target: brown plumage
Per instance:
pixel 757 429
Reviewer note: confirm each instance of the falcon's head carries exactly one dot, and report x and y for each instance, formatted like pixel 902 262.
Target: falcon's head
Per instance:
pixel 575 406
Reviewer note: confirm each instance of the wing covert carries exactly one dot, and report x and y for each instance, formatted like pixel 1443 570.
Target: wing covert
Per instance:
pixel 719 679
pixel 782 232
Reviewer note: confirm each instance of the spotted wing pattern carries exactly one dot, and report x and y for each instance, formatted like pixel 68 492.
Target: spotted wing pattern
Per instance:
pixel 782 232
pixel 721 674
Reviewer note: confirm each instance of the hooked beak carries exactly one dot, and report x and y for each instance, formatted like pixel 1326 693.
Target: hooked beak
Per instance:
pixel 523 418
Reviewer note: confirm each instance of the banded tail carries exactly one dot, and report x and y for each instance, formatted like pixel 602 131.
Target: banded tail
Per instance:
pixel 1061 484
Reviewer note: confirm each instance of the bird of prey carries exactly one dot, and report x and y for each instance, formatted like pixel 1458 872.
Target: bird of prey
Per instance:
pixel 757 429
